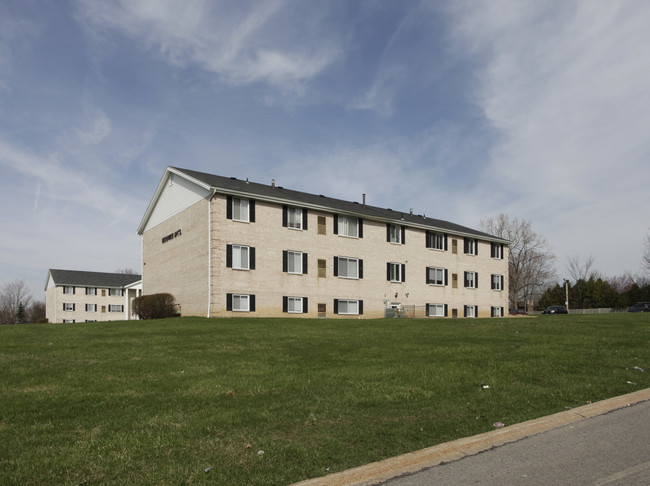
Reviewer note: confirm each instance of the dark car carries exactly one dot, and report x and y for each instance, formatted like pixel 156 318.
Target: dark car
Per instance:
pixel 556 309
pixel 640 307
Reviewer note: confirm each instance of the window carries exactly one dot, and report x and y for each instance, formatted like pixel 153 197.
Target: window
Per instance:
pixel 346 267
pixel 497 282
pixel 437 310
pixel 454 246
pixel 91 291
pixel 396 272
pixel 295 218
pixel 115 308
pixel 67 290
pixel 395 234
pixel 294 305
pixel 322 310
pixel 471 280
pixel 436 241
pixel 68 307
pixel 294 262
pixel 91 307
pixel 497 312
pixel 471 246
pixel 103 308
pixel 115 292
pixel 322 268
pixel 437 276
pixel 454 280
pixel 103 292
pixel 239 209
pixel 240 302
pixel 349 307
pixel 348 226
pixel 496 250
pixel 68 321
pixel 322 225
pixel 471 311
pixel 240 257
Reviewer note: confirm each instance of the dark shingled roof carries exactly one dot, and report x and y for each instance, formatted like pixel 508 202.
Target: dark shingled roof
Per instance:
pixel 93 279
pixel 269 192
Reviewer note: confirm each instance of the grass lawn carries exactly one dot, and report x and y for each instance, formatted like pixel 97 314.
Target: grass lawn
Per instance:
pixel 196 401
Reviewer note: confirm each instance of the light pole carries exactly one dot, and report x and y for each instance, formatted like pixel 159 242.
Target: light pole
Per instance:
pixel 566 286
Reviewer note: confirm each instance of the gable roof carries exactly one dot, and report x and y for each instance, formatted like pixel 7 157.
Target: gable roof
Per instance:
pixel 280 195
pixel 91 279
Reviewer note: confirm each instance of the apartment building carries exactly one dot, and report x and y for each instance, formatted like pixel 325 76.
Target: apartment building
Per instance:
pixel 229 247
pixel 76 296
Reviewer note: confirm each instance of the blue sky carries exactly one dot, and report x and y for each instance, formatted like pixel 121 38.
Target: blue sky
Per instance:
pixel 459 110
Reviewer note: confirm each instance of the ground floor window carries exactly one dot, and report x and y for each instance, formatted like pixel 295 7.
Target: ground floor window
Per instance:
pixel 115 308
pixel 240 302
pixel 497 311
pixel 348 307
pixel 294 305
pixel 91 307
pixel 471 311
pixel 437 310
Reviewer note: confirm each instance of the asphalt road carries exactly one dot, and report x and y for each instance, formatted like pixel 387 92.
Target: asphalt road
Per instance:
pixel 605 450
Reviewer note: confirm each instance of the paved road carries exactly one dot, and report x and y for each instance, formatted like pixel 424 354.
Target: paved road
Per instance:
pixel 606 450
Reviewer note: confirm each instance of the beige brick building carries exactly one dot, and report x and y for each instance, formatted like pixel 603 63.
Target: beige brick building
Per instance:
pixel 75 296
pixel 230 247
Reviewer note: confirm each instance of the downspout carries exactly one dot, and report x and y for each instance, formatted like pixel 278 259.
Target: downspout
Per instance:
pixel 210 252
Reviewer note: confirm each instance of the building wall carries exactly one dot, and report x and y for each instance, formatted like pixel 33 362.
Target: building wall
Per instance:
pixel 55 299
pixel 175 259
pixel 269 283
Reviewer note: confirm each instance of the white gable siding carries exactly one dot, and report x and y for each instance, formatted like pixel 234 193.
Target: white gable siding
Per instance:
pixel 178 195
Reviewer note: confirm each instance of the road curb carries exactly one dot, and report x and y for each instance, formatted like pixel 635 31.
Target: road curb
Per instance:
pixel 378 472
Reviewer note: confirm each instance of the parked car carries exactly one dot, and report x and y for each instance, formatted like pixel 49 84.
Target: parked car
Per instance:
pixel 640 307
pixel 556 309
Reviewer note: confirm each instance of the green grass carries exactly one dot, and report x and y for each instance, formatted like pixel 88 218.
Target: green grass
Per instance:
pixel 159 402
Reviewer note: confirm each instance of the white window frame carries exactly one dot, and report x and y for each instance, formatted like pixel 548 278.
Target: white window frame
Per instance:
pixel 496 312
pixel 241 260
pixel 439 310
pixel 116 292
pixel 294 259
pixel 294 218
pixel 470 278
pixel 241 302
pixel 435 281
pixel 294 305
pixel 91 290
pixel 348 226
pixel 91 307
pixel 496 281
pixel 498 251
pixel 395 272
pixel 68 290
pixel 115 308
pixel 240 209
pixel 395 234
pixel 349 263
pixel 68 307
pixel 348 303
pixel 471 246
pixel 68 321
pixel 436 241
pixel 471 311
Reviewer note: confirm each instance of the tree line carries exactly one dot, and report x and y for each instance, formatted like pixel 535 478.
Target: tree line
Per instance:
pixel 17 306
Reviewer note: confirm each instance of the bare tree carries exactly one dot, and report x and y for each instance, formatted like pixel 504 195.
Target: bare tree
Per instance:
pixel 530 260
pixel 13 296
pixel 581 271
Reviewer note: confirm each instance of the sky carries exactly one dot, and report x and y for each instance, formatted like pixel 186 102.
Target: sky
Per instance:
pixel 460 110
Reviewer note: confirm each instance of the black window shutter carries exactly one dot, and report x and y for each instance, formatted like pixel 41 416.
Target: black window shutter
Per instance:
pixel 305 302
pixel 251 300
pixel 445 242
pixel 475 247
pixel 502 314
pixel 428 312
pixel 360 268
pixel 466 280
pixel 446 311
pixel 492 286
pixel 336 224
pixel 388 271
pixel 285 209
pixel 229 256
pixel 403 235
pixel 304 219
pixel 304 263
pixel 446 277
pixel 229 207
pixel 74 290
pixel 465 245
pixel 285 304
pixel 475 280
pixel 360 228
pixel 360 307
pixel 465 311
pixel 252 257
pixel 74 306
pixel 428 279
pixel 475 311
pixel 492 249
pixel 285 265
pixel 427 239
pixel 403 272
pixel 388 232
pixel 336 266
pixel 502 282
pixel 228 302
pixel 251 210
pixel 336 306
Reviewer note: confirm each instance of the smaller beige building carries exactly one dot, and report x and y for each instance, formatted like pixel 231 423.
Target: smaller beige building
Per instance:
pixel 77 296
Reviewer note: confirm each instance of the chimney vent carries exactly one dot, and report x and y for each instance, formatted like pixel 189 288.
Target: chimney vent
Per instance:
pixel 273 183
pixel 364 199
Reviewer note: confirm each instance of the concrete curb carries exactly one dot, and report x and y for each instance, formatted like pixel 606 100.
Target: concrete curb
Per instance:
pixel 378 472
